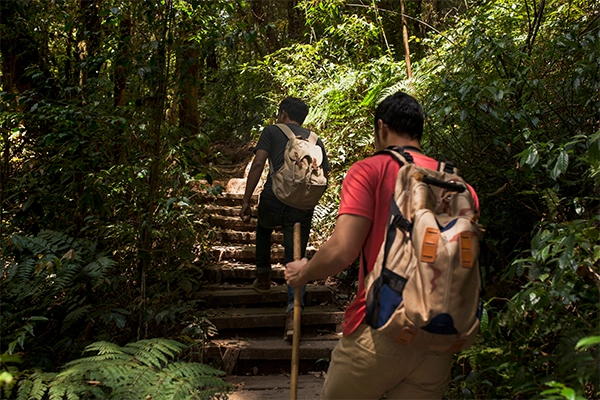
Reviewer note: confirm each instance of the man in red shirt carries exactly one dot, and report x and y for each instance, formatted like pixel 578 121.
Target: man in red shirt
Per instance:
pixel 365 364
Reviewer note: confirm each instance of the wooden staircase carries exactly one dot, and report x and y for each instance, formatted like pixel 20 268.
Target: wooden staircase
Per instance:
pixel 250 324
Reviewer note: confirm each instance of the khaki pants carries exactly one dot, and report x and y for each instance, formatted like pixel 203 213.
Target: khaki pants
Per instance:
pixel 367 365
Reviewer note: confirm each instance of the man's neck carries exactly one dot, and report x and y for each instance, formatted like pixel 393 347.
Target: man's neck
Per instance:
pixel 284 119
pixel 402 141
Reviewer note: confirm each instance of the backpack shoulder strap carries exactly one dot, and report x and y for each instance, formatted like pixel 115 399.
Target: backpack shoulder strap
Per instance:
pixel 447 167
pixel 398 154
pixel 286 130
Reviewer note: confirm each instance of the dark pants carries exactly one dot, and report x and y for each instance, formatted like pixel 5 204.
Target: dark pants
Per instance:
pixel 271 214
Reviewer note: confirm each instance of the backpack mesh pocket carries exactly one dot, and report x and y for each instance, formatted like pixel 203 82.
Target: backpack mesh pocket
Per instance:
pixel 384 297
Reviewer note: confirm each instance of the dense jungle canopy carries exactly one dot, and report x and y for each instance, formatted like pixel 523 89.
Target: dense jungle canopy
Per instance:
pixel 113 114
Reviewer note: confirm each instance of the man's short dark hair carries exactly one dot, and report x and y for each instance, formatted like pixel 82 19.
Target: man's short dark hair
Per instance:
pixel 402 114
pixel 296 109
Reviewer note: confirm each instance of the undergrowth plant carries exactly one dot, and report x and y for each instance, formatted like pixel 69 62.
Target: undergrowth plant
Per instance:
pixel 543 336
pixel 511 97
pixel 146 369
pixel 55 293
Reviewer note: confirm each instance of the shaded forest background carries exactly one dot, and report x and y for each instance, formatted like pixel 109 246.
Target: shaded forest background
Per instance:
pixel 114 113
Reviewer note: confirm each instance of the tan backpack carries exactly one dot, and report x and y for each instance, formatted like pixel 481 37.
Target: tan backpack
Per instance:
pixel 301 181
pixel 424 289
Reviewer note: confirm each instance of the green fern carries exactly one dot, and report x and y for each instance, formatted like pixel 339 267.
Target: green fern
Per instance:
pixel 52 278
pixel 75 316
pixel 35 386
pixel 143 369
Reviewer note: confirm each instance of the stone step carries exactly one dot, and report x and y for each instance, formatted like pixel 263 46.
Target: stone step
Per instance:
pixel 238 271
pixel 245 253
pixel 233 296
pixel 251 318
pixel 237 237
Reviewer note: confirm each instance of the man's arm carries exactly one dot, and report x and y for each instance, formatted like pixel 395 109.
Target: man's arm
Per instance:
pixel 335 255
pixel 256 169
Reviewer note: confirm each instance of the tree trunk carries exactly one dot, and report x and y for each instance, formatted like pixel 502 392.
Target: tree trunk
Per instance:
pixel 120 73
pixel 405 36
pixel 263 19
pixel 293 18
pixel 19 49
pixel 188 68
pixel 156 153
pixel 89 39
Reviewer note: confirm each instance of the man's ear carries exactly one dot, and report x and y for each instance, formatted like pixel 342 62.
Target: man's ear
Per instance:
pixel 383 130
pixel 282 117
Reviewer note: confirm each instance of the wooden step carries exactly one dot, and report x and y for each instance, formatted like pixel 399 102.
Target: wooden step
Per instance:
pixel 226 211
pixel 226 199
pixel 236 237
pixel 245 295
pixel 275 387
pixel 245 253
pixel 249 318
pixel 233 223
pixel 311 348
pixel 238 271
pixel 270 354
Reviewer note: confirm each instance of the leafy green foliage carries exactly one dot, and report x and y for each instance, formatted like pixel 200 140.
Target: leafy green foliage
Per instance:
pixel 109 111
pixel 55 287
pixel 505 103
pixel 141 369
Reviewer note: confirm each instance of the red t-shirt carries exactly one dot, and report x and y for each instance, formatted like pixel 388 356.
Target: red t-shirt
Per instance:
pixel 366 191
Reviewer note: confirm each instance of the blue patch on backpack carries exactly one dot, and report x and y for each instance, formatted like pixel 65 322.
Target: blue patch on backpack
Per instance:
pixel 389 300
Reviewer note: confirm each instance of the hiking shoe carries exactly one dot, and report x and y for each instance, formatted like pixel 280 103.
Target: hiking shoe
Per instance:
pixel 262 284
pixel 288 333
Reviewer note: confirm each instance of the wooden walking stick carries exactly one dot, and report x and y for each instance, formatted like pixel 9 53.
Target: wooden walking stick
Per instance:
pixel 297 311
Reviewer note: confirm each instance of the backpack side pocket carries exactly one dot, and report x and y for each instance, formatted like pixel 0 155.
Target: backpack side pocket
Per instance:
pixel 384 297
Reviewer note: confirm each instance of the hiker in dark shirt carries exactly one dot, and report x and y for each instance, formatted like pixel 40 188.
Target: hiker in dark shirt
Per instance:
pixel 272 212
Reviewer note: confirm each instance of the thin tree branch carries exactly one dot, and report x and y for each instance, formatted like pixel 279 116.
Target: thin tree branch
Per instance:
pixel 406 16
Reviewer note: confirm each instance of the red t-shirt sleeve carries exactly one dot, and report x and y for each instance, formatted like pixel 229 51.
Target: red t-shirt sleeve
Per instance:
pixel 475 198
pixel 358 193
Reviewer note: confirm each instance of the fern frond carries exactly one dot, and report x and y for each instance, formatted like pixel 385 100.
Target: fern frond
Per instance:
pixel 151 352
pixel 66 276
pixel 57 242
pixel 32 388
pixel 103 348
pixel 99 268
pixel 189 369
pixel 403 85
pixel 190 380
pixel 324 211
pixel 75 316
pixel 148 354
pixel 25 387
pixel 139 370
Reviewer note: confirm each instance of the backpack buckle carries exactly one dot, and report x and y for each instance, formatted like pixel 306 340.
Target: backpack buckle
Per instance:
pixel 403 223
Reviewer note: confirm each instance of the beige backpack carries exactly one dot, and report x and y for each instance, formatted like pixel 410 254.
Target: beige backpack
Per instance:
pixel 301 181
pixel 424 290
